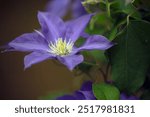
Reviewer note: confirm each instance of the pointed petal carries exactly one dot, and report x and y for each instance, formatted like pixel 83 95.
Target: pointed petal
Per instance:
pixel 36 57
pixel 29 42
pixel 77 26
pixel 71 61
pixel 6 48
pixel 88 95
pixel 86 90
pixel 96 42
pixel 86 86
pixel 59 7
pixel 52 26
pixel 79 95
pixel 85 35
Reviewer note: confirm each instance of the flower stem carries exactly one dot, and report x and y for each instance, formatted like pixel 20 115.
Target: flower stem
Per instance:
pixel 92 64
pixel 128 19
pixel 108 8
pixel 104 75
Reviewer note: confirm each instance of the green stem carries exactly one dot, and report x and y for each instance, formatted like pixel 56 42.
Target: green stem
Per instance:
pixel 104 75
pixel 107 70
pixel 128 19
pixel 108 8
pixel 90 63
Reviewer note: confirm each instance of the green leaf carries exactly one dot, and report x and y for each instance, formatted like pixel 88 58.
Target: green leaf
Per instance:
pixel 100 24
pixel 126 7
pixel 98 55
pixel 85 67
pixel 146 95
pixel 130 58
pixel 105 92
pixel 94 5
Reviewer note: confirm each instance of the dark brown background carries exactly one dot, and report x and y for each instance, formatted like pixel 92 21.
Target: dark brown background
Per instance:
pixel 18 17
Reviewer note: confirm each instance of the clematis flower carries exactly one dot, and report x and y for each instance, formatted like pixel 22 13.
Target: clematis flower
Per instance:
pixel 85 93
pixel 61 7
pixel 56 40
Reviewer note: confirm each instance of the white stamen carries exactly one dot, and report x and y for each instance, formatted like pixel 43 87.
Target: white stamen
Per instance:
pixel 61 47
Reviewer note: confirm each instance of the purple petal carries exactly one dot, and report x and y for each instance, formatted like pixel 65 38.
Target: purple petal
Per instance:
pixel 6 48
pixel 52 26
pixel 88 95
pixel 86 90
pixel 85 93
pixel 79 95
pixel 36 57
pixel 85 35
pixel 71 61
pixel 29 42
pixel 86 86
pixel 96 42
pixel 77 26
pixel 59 7
pixel 77 9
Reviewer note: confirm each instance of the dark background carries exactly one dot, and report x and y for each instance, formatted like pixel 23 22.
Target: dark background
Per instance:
pixel 18 17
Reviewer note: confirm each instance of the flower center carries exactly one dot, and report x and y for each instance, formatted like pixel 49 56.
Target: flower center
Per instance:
pixel 61 47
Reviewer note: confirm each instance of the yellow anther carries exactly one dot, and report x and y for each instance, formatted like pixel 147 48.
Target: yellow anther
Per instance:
pixel 61 47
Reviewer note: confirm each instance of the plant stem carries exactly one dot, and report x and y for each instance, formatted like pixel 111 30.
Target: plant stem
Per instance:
pixel 108 8
pixel 128 17
pixel 104 75
pixel 107 70
pixel 90 63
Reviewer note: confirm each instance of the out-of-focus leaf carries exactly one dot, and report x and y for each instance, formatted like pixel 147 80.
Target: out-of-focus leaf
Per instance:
pixel 146 95
pixel 100 24
pixel 98 55
pixel 130 58
pixel 145 3
pixel 85 67
pixel 94 5
pixel 79 42
pixel 127 7
pixel 105 92
pixel 113 33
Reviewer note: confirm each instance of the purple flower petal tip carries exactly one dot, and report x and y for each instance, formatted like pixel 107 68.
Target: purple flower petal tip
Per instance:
pixel 85 93
pixel 71 61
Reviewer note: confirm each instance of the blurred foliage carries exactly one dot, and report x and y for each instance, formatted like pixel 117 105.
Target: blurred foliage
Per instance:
pixel 104 91
pixel 130 58
pixel 146 95
pixel 127 24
